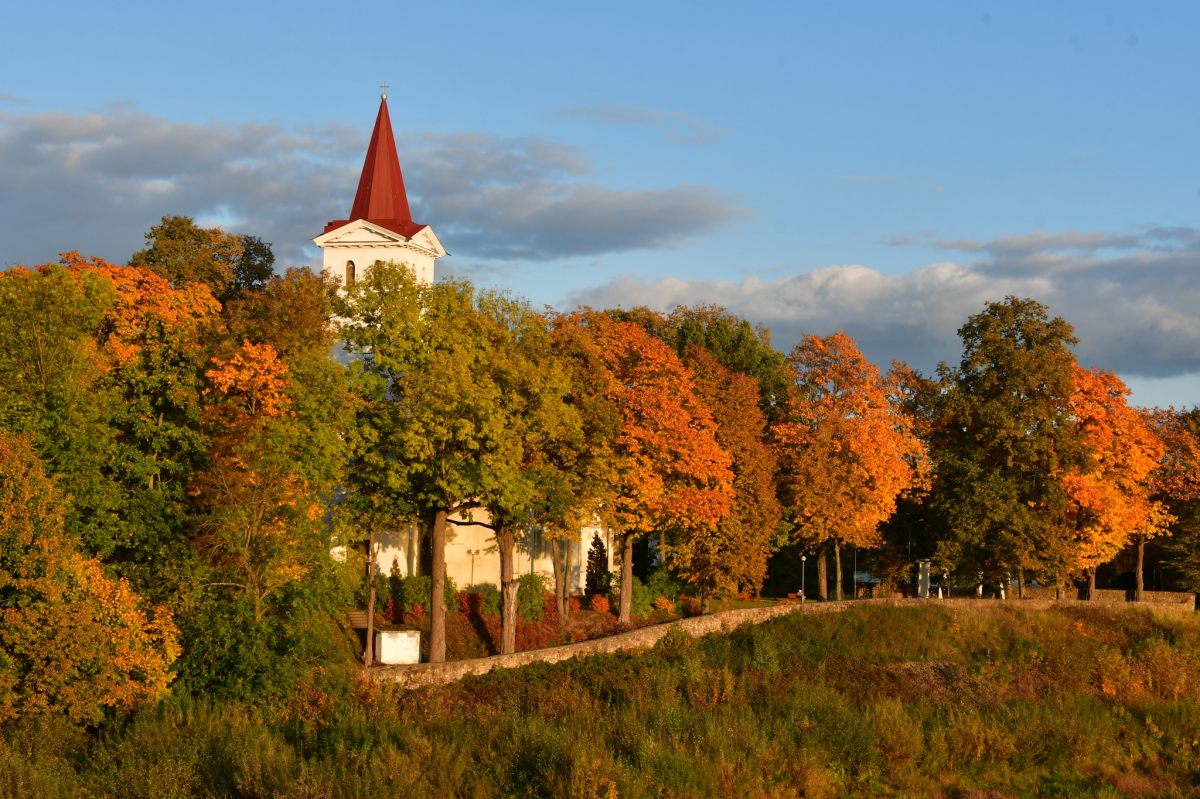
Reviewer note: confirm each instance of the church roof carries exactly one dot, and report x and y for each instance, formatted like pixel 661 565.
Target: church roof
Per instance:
pixel 381 198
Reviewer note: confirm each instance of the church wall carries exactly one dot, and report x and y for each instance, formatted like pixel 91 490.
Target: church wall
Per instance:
pixel 472 559
pixel 335 259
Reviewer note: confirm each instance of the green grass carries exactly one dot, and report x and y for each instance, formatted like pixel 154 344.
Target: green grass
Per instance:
pixel 873 701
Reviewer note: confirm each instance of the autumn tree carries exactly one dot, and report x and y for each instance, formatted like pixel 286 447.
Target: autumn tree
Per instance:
pixel 186 254
pixel 1005 438
pixel 846 451
pixel 73 639
pixel 735 554
pixel 1175 482
pixel 657 445
pixel 53 389
pixel 732 341
pixel 1110 490
pixel 251 493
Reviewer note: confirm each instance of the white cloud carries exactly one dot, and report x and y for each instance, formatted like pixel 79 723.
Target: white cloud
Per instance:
pixel 97 181
pixel 1136 311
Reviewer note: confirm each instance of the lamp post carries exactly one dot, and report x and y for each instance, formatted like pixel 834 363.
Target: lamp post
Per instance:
pixel 802 597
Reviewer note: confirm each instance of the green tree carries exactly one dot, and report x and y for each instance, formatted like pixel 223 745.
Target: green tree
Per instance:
pixel 1004 435
pixel 184 253
pixel 53 387
pixel 434 441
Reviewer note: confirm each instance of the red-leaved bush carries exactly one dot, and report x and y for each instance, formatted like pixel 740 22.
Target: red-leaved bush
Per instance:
pixel 573 604
pixel 600 603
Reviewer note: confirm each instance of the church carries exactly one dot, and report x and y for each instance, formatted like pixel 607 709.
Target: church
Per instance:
pixel 380 228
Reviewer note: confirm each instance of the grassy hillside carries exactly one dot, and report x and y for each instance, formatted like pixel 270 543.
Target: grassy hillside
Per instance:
pixel 880 701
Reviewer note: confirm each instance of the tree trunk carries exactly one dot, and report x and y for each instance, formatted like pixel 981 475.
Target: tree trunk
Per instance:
pixel 437 600
pixel 560 551
pixel 1020 582
pixel 822 580
pixel 1140 596
pixel 565 614
pixel 505 542
pixel 704 602
pixel 1091 584
pixel 837 569
pixel 626 578
pixel 369 649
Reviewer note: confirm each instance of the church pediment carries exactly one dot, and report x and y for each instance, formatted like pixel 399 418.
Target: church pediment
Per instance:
pixel 359 232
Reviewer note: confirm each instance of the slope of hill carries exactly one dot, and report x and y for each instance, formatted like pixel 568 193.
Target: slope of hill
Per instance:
pixel 874 701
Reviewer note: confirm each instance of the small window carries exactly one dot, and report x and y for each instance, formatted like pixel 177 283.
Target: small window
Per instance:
pixel 349 273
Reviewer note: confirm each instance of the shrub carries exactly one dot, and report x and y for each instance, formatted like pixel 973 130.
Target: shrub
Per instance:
pixel 416 589
pixel 664 604
pixel 491 602
pixel 664 585
pixel 599 603
pixel 573 604
pixel 531 593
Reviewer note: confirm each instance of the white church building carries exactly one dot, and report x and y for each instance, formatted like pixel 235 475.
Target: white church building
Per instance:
pixel 380 228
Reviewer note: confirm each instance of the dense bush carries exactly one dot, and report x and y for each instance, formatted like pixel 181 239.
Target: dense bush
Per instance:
pixel 664 585
pixel 531 597
pixel 414 591
pixel 931 701
pixel 599 603
pixel 641 602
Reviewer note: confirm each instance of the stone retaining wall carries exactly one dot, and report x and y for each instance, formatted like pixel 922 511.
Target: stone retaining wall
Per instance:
pixel 416 676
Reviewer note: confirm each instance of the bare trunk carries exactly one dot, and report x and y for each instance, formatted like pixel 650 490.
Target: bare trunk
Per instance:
pixel 437 600
pixel 1020 582
pixel 837 566
pixel 704 602
pixel 505 542
pixel 1091 584
pixel 564 614
pixel 1140 596
pixel 558 558
pixel 822 580
pixel 626 578
pixel 369 649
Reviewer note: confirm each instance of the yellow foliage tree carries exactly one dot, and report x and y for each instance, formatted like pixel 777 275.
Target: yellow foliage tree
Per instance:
pixel 72 639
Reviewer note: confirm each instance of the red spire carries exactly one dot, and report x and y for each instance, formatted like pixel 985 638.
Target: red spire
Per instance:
pixel 381 188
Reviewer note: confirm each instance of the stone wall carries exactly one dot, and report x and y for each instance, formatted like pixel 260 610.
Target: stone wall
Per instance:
pixel 1106 596
pixel 416 676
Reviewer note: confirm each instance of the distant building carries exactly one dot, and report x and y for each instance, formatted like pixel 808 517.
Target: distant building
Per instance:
pixel 380 228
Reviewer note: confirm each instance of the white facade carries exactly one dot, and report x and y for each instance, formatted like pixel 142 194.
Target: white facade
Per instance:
pixel 473 560
pixel 358 244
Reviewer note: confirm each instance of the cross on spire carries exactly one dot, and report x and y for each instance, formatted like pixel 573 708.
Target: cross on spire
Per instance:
pixel 384 86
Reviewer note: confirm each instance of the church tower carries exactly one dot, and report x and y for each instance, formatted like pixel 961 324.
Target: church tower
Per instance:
pixel 380 227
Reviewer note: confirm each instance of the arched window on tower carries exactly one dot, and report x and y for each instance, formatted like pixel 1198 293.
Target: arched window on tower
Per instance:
pixel 349 273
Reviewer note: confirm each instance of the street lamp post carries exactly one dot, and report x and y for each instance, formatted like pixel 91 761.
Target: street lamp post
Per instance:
pixel 802 597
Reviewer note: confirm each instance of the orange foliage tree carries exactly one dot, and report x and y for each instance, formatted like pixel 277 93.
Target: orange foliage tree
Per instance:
pixel 72 639
pixel 846 452
pixel 252 498
pixel 664 468
pixel 1111 492
pixel 154 339
pixel 735 554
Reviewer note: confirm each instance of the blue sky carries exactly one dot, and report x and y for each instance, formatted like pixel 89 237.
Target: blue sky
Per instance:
pixel 880 167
